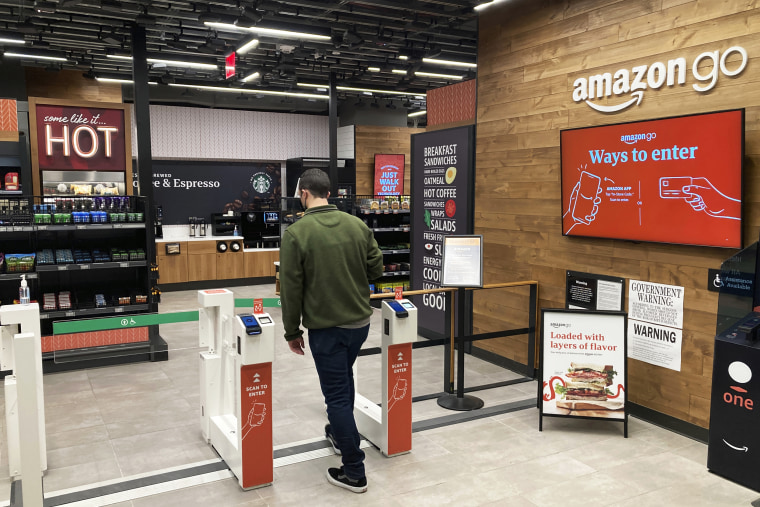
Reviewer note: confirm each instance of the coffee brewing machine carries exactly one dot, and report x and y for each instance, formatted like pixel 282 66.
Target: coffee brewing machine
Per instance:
pixel 261 229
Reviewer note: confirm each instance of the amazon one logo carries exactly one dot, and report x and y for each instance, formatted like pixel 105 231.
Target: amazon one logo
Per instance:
pixel 706 69
pixel 740 373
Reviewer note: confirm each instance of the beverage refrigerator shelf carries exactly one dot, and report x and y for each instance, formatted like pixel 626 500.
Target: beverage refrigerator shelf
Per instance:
pixel 389 229
pixel 396 273
pixel 11 192
pixel 404 251
pixel 93 265
pixel 16 228
pixel 122 310
pixel 30 275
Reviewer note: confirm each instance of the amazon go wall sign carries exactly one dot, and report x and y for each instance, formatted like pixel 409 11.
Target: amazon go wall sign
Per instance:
pixel 80 138
pixel 630 85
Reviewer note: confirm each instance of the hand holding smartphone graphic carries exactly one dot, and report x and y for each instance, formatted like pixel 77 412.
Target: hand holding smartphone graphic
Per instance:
pixel 585 199
pixel 701 196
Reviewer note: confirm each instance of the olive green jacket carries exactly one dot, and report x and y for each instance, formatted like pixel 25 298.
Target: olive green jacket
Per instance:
pixel 327 259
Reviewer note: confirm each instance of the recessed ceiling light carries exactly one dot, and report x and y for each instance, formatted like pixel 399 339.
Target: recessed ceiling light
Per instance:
pixel 172 63
pixel 403 57
pixel 11 38
pixel 251 76
pixel 371 90
pixel 398 71
pixel 452 63
pixel 248 46
pixel 373 69
pixel 35 57
pixel 487 4
pixel 252 91
pixel 440 76
pixel 416 113
pixel 271 32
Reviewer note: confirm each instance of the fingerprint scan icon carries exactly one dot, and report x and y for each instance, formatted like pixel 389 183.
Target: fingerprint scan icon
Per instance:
pixel 739 372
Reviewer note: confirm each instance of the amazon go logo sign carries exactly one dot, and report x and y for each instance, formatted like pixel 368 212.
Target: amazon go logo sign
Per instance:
pixel 740 373
pixel 706 68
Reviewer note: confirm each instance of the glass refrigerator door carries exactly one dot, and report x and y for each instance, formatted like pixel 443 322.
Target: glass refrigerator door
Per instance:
pixel 96 183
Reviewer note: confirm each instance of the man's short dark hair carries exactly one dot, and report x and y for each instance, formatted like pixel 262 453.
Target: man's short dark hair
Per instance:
pixel 315 181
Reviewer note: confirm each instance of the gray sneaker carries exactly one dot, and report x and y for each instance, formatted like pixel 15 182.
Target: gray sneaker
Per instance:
pixel 336 477
pixel 329 436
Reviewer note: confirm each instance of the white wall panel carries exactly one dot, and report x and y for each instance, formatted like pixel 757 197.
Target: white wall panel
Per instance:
pixel 195 133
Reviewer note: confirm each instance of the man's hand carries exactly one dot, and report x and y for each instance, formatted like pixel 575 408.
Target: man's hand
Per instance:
pixel 296 345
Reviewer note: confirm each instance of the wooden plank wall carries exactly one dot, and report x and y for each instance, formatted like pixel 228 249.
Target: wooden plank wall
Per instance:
pixel 69 84
pixel 374 139
pixel 530 53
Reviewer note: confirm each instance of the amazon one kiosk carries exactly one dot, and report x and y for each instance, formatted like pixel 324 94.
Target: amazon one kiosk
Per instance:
pixel 236 386
pixel 734 444
pixel 389 426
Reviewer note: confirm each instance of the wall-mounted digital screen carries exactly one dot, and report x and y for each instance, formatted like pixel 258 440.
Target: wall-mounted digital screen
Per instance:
pixel 670 180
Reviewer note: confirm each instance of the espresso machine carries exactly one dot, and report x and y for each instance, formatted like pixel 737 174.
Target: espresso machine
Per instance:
pixel 261 229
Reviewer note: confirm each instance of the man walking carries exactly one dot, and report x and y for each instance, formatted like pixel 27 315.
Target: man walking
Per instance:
pixel 327 259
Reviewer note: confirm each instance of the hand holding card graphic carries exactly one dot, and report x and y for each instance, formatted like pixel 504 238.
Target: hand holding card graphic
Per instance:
pixel 703 196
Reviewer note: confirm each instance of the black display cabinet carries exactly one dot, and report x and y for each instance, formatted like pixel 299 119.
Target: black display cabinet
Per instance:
pixel 734 443
pixel 346 173
pixel 91 258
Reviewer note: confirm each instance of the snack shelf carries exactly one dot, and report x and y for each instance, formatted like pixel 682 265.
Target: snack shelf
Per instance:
pixel 30 275
pixel 93 265
pixel 389 229
pixel 88 312
pixel 391 252
pixel 396 273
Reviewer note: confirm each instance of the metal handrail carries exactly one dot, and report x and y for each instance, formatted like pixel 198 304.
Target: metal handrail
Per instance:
pixel 533 310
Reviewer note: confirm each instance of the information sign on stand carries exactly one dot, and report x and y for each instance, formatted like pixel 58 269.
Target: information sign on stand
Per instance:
pixel 462 261
pixel 462 267
pixel 584 371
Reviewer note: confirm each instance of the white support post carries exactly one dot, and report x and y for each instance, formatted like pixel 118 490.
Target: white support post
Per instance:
pixel 22 319
pixel 28 417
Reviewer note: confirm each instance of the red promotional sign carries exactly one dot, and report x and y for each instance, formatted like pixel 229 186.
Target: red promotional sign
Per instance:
pixel 256 424
pixel 389 174
pixel 258 305
pixel 673 180
pixel 399 398
pixel 80 138
pixel 399 292
pixel 229 65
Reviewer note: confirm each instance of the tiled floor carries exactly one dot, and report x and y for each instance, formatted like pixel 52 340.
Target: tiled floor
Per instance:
pixel 108 423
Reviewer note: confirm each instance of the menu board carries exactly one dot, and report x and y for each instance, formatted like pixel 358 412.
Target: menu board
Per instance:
pixel 198 189
pixel 583 364
pixel 442 187
pixel 462 261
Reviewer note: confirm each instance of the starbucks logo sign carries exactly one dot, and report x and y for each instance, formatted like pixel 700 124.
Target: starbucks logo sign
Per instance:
pixel 261 182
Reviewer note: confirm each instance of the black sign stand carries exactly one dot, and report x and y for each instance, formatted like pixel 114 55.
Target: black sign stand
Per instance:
pixel 460 401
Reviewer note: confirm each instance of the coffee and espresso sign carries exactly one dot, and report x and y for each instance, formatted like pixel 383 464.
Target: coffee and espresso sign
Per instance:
pixel 626 87
pixel 80 138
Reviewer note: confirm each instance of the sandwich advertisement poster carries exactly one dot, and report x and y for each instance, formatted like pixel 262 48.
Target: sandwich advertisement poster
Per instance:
pixel 583 364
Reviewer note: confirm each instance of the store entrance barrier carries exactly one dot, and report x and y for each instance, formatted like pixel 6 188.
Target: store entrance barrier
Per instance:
pixel 24 401
pixel 236 386
pixel 16 319
pixel 389 426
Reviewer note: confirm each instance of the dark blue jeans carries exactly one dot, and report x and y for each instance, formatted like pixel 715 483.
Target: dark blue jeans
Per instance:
pixel 334 350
